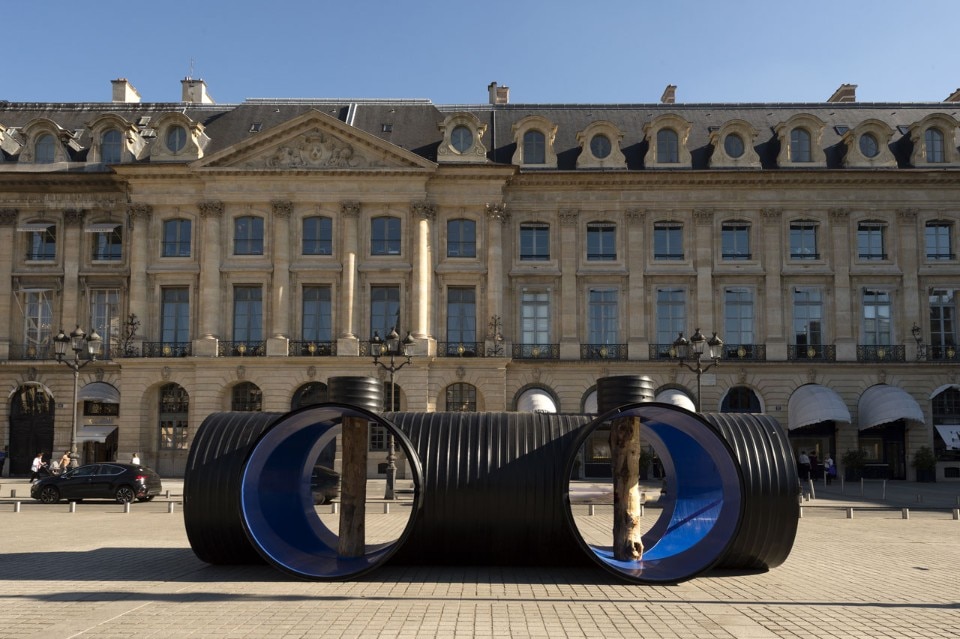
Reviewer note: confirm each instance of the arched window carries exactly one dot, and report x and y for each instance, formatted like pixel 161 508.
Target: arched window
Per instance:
pixel 534 148
pixel 668 147
pixel 933 139
pixel 45 149
pixel 800 145
pixel 740 399
pixel 173 417
pixel 462 397
pixel 111 146
pixel 309 394
pixel 536 400
pixel 247 397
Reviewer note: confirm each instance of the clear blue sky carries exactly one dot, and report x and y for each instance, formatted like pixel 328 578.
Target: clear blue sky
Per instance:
pixel 616 51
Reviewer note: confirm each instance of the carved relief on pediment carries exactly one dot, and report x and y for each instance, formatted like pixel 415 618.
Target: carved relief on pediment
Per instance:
pixel 317 150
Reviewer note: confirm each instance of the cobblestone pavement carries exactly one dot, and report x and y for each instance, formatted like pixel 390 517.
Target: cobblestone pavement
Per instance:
pixel 100 572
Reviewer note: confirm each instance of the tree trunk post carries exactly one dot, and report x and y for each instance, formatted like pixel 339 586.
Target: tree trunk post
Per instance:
pixel 625 462
pixel 353 482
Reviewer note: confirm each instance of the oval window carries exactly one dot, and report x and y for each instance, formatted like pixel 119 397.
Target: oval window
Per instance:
pixel 600 146
pixel 869 146
pixel 733 145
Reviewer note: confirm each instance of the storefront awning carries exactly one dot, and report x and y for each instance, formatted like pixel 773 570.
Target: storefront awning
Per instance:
pixel 94 433
pixel 99 392
pixel 943 388
pixel 676 398
pixel 882 404
pixel 536 400
pixel 950 434
pixel 812 404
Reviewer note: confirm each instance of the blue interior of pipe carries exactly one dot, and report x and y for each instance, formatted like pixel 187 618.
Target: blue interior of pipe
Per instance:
pixel 702 512
pixel 276 502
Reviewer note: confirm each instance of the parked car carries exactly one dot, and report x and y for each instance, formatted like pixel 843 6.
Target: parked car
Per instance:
pixel 325 484
pixel 109 480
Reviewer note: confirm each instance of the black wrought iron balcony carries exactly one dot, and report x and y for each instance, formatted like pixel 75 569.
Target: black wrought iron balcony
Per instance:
pixel 745 352
pixel 163 349
pixel 536 351
pixel 32 351
pixel 603 351
pixel 662 351
pixel 460 349
pixel 943 353
pixel 241 349
pixel 310 348
pixel 812 352
pixel 886 353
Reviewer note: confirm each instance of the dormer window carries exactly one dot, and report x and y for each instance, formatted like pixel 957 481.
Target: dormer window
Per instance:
pixel 45 149
pixel 462 139
pixel 868 145
pixel 733 146
pixel 176 139
pixel 534 136
pixel 534 147
pixel 600 147
pixel 667 147
pixel 800 146
pixel 667 134
pixel 934 141
pixel 111 146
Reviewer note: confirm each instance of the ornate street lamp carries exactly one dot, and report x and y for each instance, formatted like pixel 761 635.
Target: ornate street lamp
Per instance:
pixel 696 346
pixel 393 347
pixel 918 336
pixel 79 342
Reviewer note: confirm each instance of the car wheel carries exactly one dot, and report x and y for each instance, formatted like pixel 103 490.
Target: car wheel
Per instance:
pixel 49 495
pixel 125 494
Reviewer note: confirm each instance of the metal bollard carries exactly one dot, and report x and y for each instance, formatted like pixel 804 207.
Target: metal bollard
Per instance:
pixel 170 507
pixel 126 506
pixel 905 513
pixel 850 513
pixel 801 512
pixel 592 510
pixel 335 508
pixel 919 498
pixel 16 507
pixel 956 514
pixel 386 508
pixel 73 506
pixel 13 493
pixel 168 493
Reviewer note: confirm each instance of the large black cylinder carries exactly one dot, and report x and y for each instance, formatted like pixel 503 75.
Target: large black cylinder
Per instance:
pixel 362 392
pixel 620 390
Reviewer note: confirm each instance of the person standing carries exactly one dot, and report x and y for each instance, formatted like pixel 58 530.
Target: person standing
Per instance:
pixel 829 469
pixel 135 460
pixel 36 466
pixel 803 463
pixel 65 462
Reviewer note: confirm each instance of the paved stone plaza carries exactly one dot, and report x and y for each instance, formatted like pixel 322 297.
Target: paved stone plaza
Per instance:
pixel 100 572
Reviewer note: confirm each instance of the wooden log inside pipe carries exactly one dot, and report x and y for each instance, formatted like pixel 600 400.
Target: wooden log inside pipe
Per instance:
pixel 627 505
pixel 353 484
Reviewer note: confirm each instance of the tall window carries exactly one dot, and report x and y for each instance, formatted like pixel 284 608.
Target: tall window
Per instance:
pixel 384 309
pixel 937 239
pixel 738 316
pixel 461 315
pixel 603 317
pixel 876 318
pixel 174 417
pixel 461 238
pixel 105 317
pixel 176 238
pixel 668 147
pixel 807 317
pixel 671 314
pixel 107 242
pixel 870 241
pixel 740 399
pixel 735 241
pixel 668 241
pixel 800 145
pixel 45 149
pixel 247 314
pixel 111 146
pixel 248 235
pixel 462 397
pixel 943 329
pixel 246 397
pixel 37 322
pixel 175 314
pixel 534 241
pixel 535 318
pixel 601 241
pixel 803 241
pixel 534 148
pixel 317 236
pixel 933 139
pixel 385 236
pixel 317 314
pixel 43 243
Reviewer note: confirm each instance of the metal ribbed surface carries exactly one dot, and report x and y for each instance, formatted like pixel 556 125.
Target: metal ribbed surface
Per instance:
pixel 494 488
pixel 211 486
pixel 621 390
pixel 771 488
pixel 362 392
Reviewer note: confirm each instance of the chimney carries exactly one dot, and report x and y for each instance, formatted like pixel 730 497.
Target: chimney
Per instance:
pixel 195 91
pixel 669 94
pixel 953 97
pixel 498 95
pixel 846 93
pixel 123 91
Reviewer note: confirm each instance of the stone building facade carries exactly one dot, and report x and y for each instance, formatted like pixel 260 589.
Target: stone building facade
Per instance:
pixel 236 257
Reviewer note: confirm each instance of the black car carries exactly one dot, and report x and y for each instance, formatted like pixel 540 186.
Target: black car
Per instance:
pixel 325 484
pixel 109 480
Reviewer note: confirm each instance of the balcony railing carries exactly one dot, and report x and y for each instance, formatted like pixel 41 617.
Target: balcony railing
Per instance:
pixel 812 352
pixel 536 351
pixel 460 349
pixel 307 348
pixel 603 351
pixel 32 351
pixel 943 354
pixel 887 353
pixel 745 352
pixel 241 349
pixel 662 351
pixel 162 349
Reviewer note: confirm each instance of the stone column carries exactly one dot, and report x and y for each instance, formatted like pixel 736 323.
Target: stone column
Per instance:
pixel 703 246
pixel 209 299
pixel 138 216
pixel 568 307
pixel 280 310
pixel 73 241
pixel 771 304
pixel 423 215
pixel 635 306
pixel 347 343
pixel 496 218
pixel 844 319
pixel 908 257
pixel 8 222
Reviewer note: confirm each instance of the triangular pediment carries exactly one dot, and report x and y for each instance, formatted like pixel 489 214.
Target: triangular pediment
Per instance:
pixel 315 141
